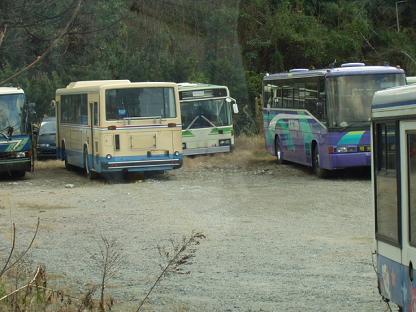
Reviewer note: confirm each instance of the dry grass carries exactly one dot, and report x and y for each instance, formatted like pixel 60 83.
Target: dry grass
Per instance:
pixel 249 152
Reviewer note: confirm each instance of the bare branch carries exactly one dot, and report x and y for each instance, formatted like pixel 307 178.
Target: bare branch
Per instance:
pixel 27 249
pixel 38 271
pixel 179 259
pixel 3 33
pixel 10 253
pixel 49 49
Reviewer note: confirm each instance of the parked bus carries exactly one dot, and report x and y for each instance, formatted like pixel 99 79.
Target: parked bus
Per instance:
pixel 394 189
pixel 206 118
pixel 321 118
pixel 16 155
pixel 119 126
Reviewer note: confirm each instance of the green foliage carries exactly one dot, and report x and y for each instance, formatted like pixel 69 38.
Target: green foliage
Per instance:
pixel 224 42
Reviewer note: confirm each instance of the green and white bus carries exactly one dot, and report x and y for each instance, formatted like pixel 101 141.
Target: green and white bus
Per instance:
pixel 207 123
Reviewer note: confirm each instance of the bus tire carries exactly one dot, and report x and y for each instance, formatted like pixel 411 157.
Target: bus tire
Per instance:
pixel 64 157
pixel 87 171
pixel 278 152
pixel 316 164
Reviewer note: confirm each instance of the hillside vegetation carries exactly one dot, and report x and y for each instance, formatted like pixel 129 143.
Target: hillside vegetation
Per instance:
pixel 222 41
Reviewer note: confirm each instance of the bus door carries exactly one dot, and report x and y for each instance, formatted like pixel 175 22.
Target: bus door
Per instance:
pixel 408 203
pixel 93 135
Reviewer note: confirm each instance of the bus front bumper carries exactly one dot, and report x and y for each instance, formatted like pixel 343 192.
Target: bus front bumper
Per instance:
pixel 349 160
pixel 207 150
pixel 20 164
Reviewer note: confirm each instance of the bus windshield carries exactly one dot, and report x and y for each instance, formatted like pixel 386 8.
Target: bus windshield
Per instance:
pixel 11 112
pixel 350 97
pixel 205 114
pixel 137 103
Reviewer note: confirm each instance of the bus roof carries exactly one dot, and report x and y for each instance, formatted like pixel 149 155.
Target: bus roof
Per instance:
pixel 395 101
pixel 11 90
pixel 333 72
pixel 94 83
pixel 97 85
pixel 186 86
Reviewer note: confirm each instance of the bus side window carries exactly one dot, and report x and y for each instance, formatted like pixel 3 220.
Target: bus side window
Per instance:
pixel 311 96
pixel 267 96
pixel 277 95
pixel 387 206
pixel 84 109
pixel 287 97
pixel 411 148
pixel 299 94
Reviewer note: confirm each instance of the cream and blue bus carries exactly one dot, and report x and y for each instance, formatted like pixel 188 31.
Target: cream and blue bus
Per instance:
pixel 394 189
pixel 119 126
pixel 207 118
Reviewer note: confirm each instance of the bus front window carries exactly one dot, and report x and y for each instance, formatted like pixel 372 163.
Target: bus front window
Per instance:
pixel 206 114
pixel 350 97
pixel 136 103
pixel 11 113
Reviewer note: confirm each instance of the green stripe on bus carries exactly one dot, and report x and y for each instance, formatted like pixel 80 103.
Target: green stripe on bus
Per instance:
pixel 187 133
pixel 215 131
pixel 352 137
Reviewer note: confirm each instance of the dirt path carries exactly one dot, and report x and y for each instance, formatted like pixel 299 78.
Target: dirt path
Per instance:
pixel 278 238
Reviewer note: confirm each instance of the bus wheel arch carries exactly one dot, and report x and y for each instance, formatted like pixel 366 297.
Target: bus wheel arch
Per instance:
pixel 87 170
pixel 63 152
pixel 64 156
pixel 316 162
pixel 278 150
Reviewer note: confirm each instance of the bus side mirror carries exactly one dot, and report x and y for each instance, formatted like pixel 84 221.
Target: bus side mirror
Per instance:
pixel 235 108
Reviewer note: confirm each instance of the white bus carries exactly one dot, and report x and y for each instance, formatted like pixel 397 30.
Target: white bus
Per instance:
pixel 394 189
pixel 207 118
pixel 119 126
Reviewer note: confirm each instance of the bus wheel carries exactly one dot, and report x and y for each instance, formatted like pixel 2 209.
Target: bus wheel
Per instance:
pixel 65 158
pixel 316 165
pixel 278 152
pixel 67 166
pixel 87 171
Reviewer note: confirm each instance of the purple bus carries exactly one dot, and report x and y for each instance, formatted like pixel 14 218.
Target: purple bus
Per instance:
pixel 321 118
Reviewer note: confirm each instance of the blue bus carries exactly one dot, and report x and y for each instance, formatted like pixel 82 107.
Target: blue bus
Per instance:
pixel 16 157
pixel 321 118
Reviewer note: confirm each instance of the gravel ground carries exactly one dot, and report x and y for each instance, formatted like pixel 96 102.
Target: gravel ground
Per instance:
pixel 278 239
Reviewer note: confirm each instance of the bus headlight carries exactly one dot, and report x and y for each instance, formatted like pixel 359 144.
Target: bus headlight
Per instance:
pixel 341 149
pixel 226 142
pixel 20 155
pixel 176 153
pixel 108 156
pixel 345 149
